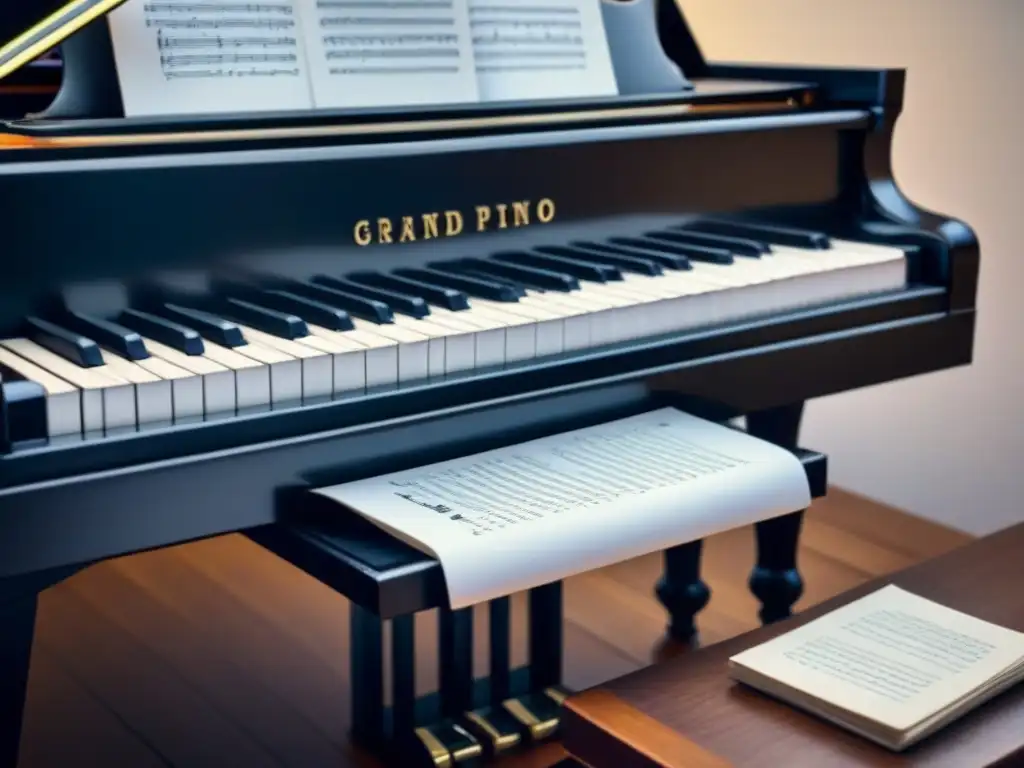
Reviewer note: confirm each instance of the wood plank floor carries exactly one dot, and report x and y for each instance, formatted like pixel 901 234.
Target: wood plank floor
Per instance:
pixel 216 653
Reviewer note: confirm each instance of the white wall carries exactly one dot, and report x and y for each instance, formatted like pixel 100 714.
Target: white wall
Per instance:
pixel 947 446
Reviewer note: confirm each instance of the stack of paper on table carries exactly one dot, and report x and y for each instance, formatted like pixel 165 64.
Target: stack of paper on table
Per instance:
pixel 892 667
pixel 513 518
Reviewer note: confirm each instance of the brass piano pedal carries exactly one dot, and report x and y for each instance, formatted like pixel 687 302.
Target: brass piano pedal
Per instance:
pixel 496 729
pixel 539 713
pixel 445 745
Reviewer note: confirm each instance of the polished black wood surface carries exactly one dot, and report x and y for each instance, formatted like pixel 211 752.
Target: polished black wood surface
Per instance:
pixel 97 214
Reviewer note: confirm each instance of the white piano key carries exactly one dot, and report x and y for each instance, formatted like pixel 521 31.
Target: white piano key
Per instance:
pixel 285 371
pixel 490 338
pixel 154 400
pixel 108 403
pixel 63 400
pixel 186 387
pixel 217 381
pixel 460 347
pixel 252 378
pixel 348 359
pixel 413 352
pixel 381 355
pixel 316 367
pixel 436 336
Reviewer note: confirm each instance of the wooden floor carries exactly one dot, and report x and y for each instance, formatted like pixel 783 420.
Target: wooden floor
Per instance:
pixel 216 653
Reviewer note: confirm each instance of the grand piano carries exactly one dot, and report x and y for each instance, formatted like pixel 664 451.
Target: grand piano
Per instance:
pixel 201 318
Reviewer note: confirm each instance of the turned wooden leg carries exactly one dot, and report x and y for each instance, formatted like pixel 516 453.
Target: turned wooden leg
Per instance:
pixel 775 580
pixel 682 591
pixel 17 625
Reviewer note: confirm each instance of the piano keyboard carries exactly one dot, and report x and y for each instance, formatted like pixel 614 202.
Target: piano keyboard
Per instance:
pixel 266 343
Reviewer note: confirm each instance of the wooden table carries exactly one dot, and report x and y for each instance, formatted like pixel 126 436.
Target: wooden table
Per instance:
pixel 687 713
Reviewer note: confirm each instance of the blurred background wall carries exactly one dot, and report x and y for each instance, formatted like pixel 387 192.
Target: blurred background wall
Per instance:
pixel 948 446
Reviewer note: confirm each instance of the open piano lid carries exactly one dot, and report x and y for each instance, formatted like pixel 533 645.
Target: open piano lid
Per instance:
pixel 664 81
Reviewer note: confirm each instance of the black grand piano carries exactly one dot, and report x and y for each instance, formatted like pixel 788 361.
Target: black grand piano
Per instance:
pixel 202 318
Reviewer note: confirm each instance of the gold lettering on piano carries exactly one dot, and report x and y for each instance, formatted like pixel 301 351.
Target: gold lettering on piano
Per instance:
pixel 483 216
pixel 363 235
pixel 430 222
pixel 452 223
pixel 408 230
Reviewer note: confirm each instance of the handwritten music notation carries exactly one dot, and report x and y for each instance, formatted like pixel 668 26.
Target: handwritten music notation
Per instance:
pixel 213 40
pixel 391 37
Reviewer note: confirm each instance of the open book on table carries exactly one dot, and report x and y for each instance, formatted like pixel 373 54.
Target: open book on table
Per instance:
pixel 892 667
pixel 514 518
pixel 192 57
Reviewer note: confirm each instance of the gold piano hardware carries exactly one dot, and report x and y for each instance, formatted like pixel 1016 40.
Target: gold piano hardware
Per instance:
pixel 452 223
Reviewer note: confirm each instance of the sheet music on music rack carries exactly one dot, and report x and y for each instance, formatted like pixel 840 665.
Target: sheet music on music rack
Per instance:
pixel 207 56
pixel 536 50
pixel 510 519
pixel 202 56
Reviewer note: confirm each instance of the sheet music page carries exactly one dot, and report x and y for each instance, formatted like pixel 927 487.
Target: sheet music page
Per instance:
pixel 892 657
pixel 377 53
pixel 540 49
pixel 209 56
pixel 506 520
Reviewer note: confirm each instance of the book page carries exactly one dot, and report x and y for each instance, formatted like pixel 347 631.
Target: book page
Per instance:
pixel 209 56
pixel 891 657
pixel 380 53
pixel 509 519
pixel 541 49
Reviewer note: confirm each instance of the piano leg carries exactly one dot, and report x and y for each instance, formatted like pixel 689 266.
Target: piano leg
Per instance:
pixel 17 619
pixel 19 598
pixel 681 590
pixel 775 580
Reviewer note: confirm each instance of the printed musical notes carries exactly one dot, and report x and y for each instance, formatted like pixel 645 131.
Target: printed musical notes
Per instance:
pixel 190 56
pixel 230 56
pixel 525 49
pixel 388 52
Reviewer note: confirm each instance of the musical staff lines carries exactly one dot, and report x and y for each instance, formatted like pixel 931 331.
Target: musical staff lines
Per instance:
pixel 535 49
pixel 199 40
pixel 527 37
pixel 391 37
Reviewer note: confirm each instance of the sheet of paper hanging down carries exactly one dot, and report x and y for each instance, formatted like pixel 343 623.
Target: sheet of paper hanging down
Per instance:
pixel 514 518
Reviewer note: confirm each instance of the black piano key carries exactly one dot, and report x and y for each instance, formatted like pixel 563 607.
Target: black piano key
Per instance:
pixel 124 341
pixel 413 306
pixel 310 310
pixel 473 286
pixel 797 238
pixel 640 248
pixel 595 273
pixel 440 296
pixel 736 245
pixel 508 283
pixel 528 277
pixel 357 306
pixel 284 325
pixel 692 251
pixel 210 327
pixel 24 405
pixel 159 329
pixel 480 287
pixel 68 344
pixel 583 251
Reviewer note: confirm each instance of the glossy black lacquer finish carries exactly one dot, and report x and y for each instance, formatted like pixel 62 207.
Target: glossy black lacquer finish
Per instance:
pixel 123 217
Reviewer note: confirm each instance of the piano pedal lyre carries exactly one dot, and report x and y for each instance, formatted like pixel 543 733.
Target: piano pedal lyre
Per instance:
pixel 467 722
